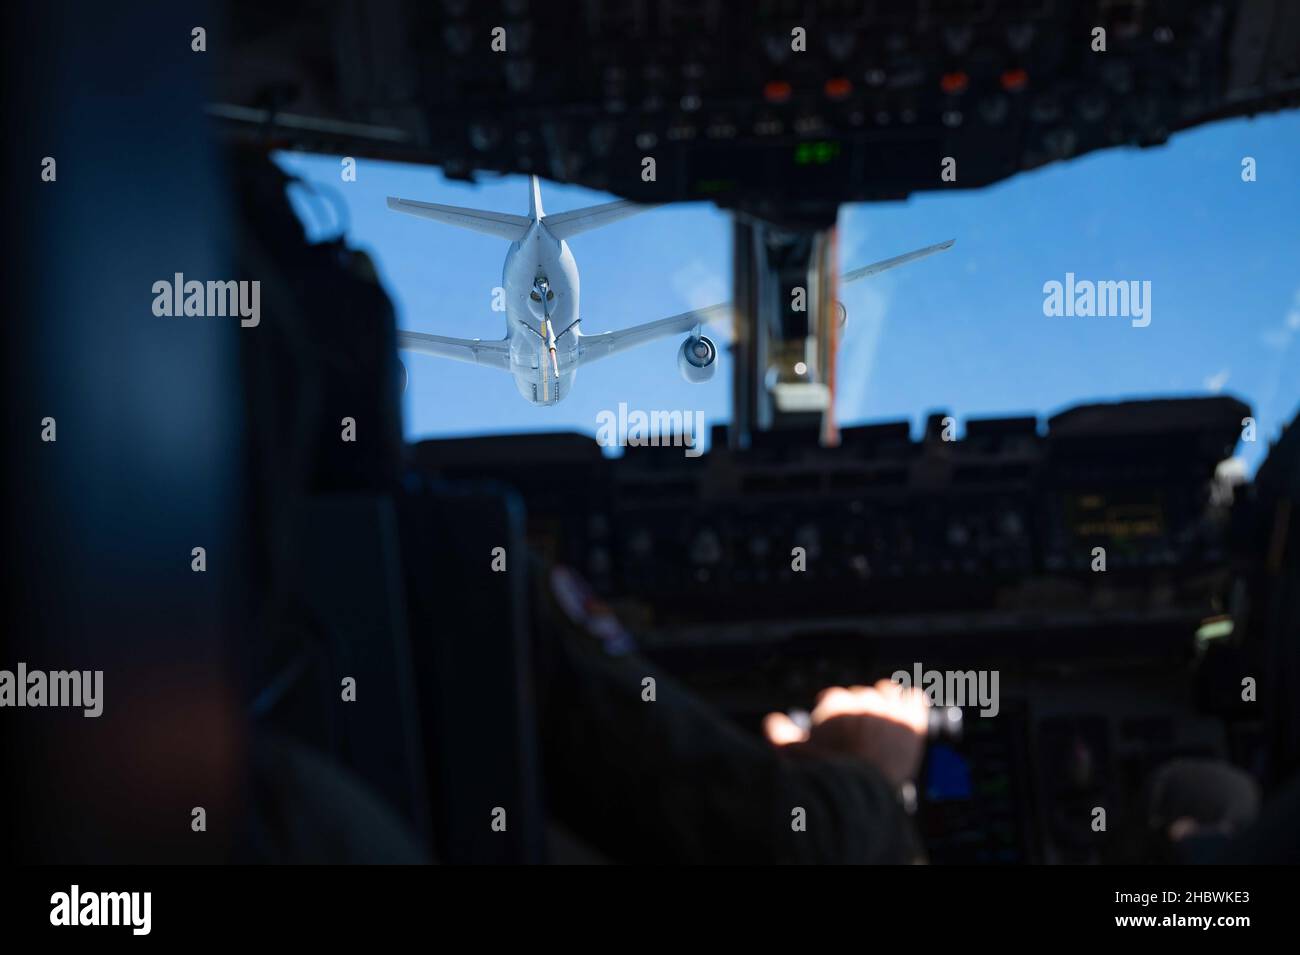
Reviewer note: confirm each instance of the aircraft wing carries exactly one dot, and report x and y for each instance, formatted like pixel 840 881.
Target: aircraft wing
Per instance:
pixel 593 347
pixel 495 354
pixel 876 268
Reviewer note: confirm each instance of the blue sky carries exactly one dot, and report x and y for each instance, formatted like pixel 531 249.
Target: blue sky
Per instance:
pixel 963 331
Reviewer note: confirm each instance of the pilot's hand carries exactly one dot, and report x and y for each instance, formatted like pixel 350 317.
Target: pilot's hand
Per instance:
pixel 883 724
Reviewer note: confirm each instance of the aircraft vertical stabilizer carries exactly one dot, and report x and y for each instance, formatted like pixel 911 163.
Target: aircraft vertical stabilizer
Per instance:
pixel 535 210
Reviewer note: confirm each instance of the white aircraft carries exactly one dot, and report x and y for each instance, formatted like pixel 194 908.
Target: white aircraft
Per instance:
pixel 540 279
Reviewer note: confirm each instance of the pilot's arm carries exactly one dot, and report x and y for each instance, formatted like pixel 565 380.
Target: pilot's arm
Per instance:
pixel 669 780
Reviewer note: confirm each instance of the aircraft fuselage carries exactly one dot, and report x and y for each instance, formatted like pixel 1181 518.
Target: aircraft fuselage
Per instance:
pixel 540 279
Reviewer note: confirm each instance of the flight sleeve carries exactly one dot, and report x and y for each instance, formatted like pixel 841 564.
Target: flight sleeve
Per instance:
pixel 645 771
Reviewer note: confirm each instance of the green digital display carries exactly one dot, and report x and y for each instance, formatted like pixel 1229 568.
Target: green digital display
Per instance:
pixel 817 153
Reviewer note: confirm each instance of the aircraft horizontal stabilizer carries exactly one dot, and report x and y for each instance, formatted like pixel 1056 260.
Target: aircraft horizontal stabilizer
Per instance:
pixel 565 225
pixel 503 225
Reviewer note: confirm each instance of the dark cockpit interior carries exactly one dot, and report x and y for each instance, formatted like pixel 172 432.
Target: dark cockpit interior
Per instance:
pixel 347 646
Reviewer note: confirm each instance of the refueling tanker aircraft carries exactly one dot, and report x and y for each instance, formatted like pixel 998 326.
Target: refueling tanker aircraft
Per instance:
pixel 540 279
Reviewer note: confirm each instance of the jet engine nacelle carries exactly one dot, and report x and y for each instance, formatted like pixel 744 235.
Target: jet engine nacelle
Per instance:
pixel 697 359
